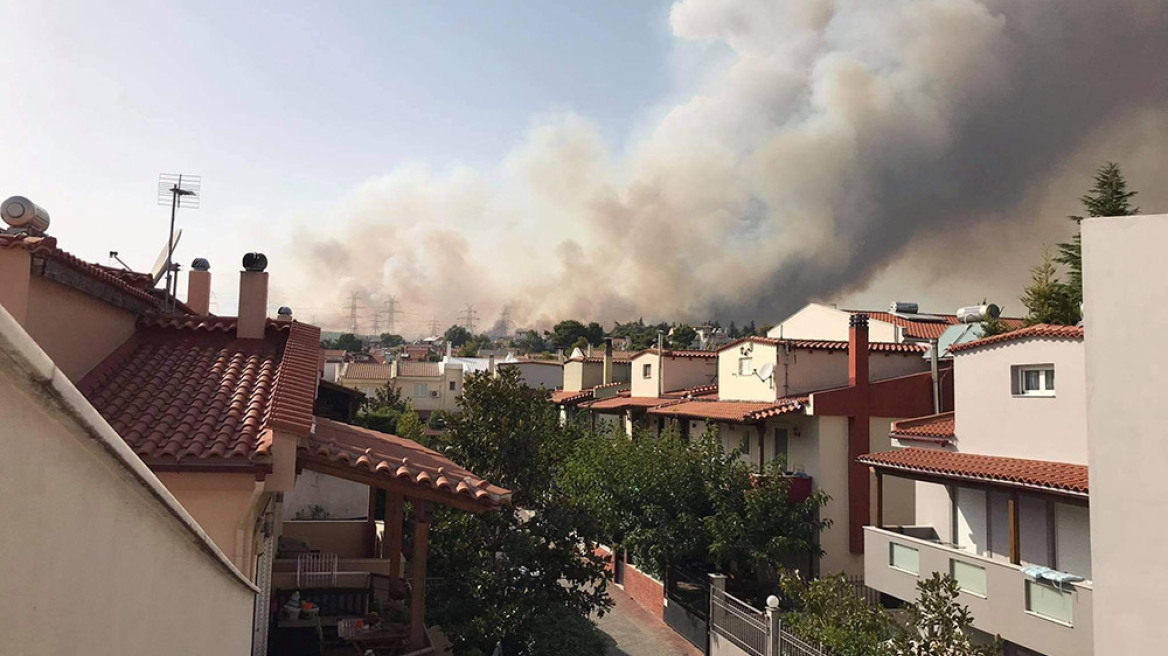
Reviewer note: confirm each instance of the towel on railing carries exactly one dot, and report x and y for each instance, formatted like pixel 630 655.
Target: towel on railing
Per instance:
pixel 1041 573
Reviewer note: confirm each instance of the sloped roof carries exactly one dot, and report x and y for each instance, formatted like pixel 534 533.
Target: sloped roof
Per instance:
pixel 623 357
pixel 828 345
pixel 562 397
pixel 923 328
pixel 933 428
pixel 679 353
pixel 366 371
pixel 1054 476
pixel 419 369
pixel 701 390
pixel 127 283
pixel 620 403
pixel 397 460
pixel 1041 330
pixel 738 412
pixel 185 390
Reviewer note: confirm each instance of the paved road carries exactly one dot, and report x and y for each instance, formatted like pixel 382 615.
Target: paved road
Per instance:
pixel 632 631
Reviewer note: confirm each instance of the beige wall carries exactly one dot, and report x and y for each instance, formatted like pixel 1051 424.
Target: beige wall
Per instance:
pixel 538 374
pixel 817 321
pixel 340 498
pixel 992 421
pixel 225 505
pixel 76 330
pixel 92 560
pixel 1125 314
pixel 732 385
pixel 346 538
pixel 802 370
pixel 680 373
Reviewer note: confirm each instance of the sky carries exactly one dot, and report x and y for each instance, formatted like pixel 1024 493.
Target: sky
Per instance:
pixel 604 160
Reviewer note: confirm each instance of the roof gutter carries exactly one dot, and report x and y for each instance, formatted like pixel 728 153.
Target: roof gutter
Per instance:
pixel 27 355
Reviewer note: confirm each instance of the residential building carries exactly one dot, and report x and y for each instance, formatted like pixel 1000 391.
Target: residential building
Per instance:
pixel 658 376
pixel 588 377
pixel 1001 493
pixel 901 323
pixel 545 374
pixel 428 386
pixel 1124 314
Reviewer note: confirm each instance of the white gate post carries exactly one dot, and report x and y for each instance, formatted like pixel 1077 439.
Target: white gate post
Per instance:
pixel 774 627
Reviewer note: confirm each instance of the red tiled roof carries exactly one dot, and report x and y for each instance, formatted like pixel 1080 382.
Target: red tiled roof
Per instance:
pixel 617 356
pixel 619 403
pixel 397 459
pixel 1056 476
pixel 933 428
pixel 419 369
pixel 334 354
pixel 366 371
pixel 829 345
pixel 47 247
pixel 186 389
pixel 740 412
pixel 679 353
pixel 561 397
pixel 1046 330
pixel 702 390
pixel 926 329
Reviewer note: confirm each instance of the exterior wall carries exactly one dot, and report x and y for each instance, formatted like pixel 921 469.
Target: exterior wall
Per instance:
pixel 1126 414
pixel 76 330
pixel 648 592
pixel 225 505
pixel 1002 610
pixel 732 385
pixel 573 376
pixel 537 374
pixel 818 321
pixel 346 538
pixel 992 421
pixel 802 370
pixel 339 498
pixel 934 508
pixel 899 493
pixel 640 385
pixel 680 373
pixel 832 477
pixel 95 557
pixel 580 375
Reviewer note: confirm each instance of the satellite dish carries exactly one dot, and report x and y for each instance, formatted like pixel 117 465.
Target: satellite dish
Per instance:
pixel 159 268
pixel 766 372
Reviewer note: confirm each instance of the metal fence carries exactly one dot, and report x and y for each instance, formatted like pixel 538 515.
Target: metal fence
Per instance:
pixel 739 622
pixel 789 645
pixel 869 595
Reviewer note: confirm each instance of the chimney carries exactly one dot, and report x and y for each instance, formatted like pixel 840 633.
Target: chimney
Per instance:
pixel 491 364
pixel 858 351
pixel 284 313
pixel 199 286
pixel 447 349
pixel 607 360
pixel 859 432
pixel 253 297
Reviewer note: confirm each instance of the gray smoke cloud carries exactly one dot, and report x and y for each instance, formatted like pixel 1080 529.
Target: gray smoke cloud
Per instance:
pixel 841 138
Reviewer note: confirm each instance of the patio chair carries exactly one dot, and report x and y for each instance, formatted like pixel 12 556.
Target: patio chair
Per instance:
pixel 316 570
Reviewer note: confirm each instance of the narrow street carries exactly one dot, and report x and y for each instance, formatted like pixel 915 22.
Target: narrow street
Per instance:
pixel 632 631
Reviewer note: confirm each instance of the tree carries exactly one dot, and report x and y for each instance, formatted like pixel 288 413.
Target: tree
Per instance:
pixel 829 611
pixel 566 334
pixel 992 325
pixel 348 342
pixel 682 337
pixel 410 427
pixel 531 341
pixel 938 625
pixel 1109 197
pixel 1046 298
pixel 382 411
pixel 520 575
pixel 457 335
pixel 389 340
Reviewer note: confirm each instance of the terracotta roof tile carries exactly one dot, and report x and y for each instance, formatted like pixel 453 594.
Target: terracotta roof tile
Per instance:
pixel 923 329
pixel 1041 330
pixel 562 397
pixel 740 412
pixel 620 403
pixel 1057 476
pixel 366 371
pixel 829 345
pixel 617 356
pixel 47 247
pixel 195 392
pixel 399 459
pixel 419 369
pixel 933 428
pixel 701 390
pixel 679 353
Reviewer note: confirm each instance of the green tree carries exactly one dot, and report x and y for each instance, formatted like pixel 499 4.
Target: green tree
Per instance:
pixel 382 411
pixel 1046 298
pixel 682 336
pixel 1108 197
pixel 991 325
pixel 349 342
pixel 410 426
pixel 566 334
pixel 518 576
pixel 389 340
pixel 939 625
pixel 457 335
pixel 531 341
pixel 828 611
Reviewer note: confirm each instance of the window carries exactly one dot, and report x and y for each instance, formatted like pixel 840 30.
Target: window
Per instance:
pixel 647 371
pixel 452 386
pixel 421 389
pixel 745 367
pixel 745 441
pixel 970 577
pixel 1034 380
pixel 1046 600
pixel 905 559
pixel 780 450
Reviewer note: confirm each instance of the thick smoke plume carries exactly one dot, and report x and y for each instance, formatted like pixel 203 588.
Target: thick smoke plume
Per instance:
pixel 838 138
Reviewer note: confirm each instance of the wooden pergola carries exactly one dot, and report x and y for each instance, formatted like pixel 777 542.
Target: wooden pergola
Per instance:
pixel 406 471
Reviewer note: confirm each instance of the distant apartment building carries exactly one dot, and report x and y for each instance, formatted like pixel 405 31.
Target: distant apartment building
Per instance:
pixel 428 386
pixel 540 374
pixel 1001 493
pixel 902 322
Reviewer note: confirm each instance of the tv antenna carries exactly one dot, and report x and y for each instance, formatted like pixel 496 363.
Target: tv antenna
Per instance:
pixel 177 190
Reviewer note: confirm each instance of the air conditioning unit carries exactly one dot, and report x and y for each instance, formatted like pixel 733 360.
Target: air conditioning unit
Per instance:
pixel 434 393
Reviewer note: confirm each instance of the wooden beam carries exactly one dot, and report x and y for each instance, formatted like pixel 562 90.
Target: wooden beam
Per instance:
pixel 423 492
pixel 371 523
pixel 422 514
pixel 393 533
pixel 879 497
pixel 761 448
pixel 1015 542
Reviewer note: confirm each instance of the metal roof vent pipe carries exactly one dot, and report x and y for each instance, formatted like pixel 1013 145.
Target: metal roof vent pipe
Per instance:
pixel 199 287
pixel 253 297
pixel 284 313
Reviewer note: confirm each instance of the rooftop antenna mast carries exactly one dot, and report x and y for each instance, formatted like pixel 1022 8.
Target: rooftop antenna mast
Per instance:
pixel 177 190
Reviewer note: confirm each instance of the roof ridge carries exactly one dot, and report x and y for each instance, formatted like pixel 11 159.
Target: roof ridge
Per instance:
pixel 1054 331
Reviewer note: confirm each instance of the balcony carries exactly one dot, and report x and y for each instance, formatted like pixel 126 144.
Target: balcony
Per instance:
pixel 1003 601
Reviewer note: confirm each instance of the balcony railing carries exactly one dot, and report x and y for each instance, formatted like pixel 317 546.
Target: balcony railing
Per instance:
pixel 1036 615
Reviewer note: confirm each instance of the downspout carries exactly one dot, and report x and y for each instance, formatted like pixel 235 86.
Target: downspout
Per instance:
pixel 936 378
pixel 660 364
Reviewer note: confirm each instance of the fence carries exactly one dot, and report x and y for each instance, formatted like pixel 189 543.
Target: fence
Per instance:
pixel 753 631
pixel 869 595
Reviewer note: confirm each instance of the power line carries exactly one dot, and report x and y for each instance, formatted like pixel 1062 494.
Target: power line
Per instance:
pixel 353 313
pixel 391 315
pixel 505 321
pixel 468 317
pixel 433 326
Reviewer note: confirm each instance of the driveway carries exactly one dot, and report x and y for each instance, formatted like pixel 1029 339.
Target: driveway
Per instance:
pixel 632 631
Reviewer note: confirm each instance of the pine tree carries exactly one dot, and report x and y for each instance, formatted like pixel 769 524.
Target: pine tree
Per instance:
pixel 1046 298
pixel 992 325
pixel 1109 197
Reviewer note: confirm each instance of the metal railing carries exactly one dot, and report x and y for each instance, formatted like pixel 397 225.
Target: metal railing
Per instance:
pixel 871 596
pixel 789 645
pixel 739 622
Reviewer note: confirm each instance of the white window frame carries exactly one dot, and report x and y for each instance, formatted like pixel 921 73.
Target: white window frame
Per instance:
pixel 421 390
pixel 647 370
pixel 745 366
pixel 1045 379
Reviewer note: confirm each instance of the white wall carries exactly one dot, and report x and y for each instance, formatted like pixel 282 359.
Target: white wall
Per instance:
pixel 1125 314
pixel 992 421
pixel 341 499
pixel 818 321
pixel 680 373
pixel 538 374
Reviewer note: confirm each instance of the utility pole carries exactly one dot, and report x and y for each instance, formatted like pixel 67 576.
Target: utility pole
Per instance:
pixel 433 327
pixel 468 317
pixel 391 315
pixel 505 321
pixel 376 323
pixel 353 313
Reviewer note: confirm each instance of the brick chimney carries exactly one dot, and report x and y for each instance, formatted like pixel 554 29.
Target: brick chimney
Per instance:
pixel 253 297
pixel 199 286
pixel 859 442
pixel 607 360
